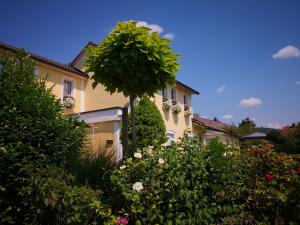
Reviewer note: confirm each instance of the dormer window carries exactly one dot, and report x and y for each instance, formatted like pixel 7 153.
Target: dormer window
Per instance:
pixel 173 96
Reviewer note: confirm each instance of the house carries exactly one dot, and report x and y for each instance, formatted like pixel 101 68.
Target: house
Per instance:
pixel 210 129
pixel 103 111
pixel 254 136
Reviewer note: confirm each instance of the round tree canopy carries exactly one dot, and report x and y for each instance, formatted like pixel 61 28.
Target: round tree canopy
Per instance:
pixel 134 60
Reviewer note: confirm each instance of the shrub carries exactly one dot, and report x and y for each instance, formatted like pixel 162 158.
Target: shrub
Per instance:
pixel 185 184
pixel 178 185
pixel 36 144
pixel 150 127
pixel 272 182
pixel 30 114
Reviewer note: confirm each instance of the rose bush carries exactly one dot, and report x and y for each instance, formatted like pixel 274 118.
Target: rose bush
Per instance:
pixel 187 183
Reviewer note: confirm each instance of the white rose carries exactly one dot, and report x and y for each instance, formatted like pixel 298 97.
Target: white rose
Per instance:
pixel 230 153
pixel 225 154
pixel 150 151
pixel 161 161
pixel 137 186
pixel 123 167
pixel 150 147
pixel 137 155
pixel 164 145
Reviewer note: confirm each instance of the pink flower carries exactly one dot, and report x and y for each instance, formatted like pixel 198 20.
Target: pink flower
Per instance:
pixel 269 176
pixel 121 221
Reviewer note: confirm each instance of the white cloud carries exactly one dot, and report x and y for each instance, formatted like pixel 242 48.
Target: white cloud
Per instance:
pixel 220 89
pixel 287 52
pixel 249 102
pixel 153 27
pixel 275 125
pixel 169 36
pixel 297 82
pixel 227 117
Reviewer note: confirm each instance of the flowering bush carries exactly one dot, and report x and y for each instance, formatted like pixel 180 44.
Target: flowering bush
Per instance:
pixel 68 102
pixel 273 193
pixel 176 108
pixel 177 185
pixel 187 183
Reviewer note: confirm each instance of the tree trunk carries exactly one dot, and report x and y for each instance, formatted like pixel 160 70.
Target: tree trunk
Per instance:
pixel 125 131
pixel 132 98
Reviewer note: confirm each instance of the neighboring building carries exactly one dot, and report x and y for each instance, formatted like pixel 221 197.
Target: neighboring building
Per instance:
pixel 213 129
pixel 254 136
pixel 101 110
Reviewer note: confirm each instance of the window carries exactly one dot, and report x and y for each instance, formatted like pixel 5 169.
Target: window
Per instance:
pixel 173 95
pixel 171 136
pixel 185 100
pixel 36 72
pixel 164 93
pixel 68 88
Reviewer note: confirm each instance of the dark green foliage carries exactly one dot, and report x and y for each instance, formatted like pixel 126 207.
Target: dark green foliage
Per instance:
pixel 30 114
pixel 286 141
pixel 95 169
pixel 150 127
pixel 36 144
pixel 247 126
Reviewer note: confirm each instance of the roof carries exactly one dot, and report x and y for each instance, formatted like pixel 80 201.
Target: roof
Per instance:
pixel 90 43
pixel 212 125
pixel 67 67
pixel 255 135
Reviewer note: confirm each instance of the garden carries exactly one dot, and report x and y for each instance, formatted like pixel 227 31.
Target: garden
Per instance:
pixel 47 176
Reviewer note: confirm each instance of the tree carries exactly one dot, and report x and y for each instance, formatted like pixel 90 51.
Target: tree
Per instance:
pixel 150 127
pixel 216 119
pixel 134 60
pixel 247 126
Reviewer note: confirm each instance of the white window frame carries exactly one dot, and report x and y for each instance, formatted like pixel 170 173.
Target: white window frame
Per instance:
pixel 63 86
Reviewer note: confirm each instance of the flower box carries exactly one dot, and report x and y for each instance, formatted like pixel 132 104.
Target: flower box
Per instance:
pixel 188 112
pixel 186 107
pixel 68 102
pixel 166 105
pixel 176 108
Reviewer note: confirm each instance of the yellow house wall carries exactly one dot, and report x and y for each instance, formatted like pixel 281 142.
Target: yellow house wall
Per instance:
pixel 177 123
pixel 98 98
pixel 54 78
pixel 100 132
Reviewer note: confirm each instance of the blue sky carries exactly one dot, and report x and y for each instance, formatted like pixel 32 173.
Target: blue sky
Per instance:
pixel 229 46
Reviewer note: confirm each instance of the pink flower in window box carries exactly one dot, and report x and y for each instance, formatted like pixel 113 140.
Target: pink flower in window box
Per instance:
pixel 186 107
